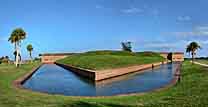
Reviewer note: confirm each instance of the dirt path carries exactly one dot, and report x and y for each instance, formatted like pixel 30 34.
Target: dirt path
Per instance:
pixel 205 65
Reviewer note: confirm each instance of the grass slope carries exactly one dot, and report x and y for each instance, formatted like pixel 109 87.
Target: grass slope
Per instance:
pixel 191 92
pixel 203 61
pixel 98 60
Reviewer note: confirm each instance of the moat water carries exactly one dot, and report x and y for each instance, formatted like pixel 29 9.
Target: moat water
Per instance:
pixel 53 79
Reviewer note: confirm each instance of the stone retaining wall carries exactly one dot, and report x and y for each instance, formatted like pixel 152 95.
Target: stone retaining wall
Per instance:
pixel 18 82
pixel 82 72
pixel 104 74
pixel 109 73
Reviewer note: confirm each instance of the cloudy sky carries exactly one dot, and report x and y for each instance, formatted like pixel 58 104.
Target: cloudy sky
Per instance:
pixel 82 25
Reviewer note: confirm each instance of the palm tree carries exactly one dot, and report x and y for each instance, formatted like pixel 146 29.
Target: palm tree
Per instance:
pixel 126 46
pixel 30 49
pixel 15 53
pixel 15 38
pixel 192 48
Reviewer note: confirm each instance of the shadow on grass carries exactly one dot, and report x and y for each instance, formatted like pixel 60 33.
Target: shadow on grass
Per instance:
pixel 95 104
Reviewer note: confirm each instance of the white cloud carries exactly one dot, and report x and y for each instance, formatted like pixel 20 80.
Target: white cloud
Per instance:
pixel 191 33
pixel 161 45
pixel 183 18
pixel 197 31
pixel 202 28
pixel 132 10
pixel 205 42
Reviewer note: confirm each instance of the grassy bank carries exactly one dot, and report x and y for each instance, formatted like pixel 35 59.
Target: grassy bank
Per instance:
pixel 203 61
pixel 98 60
pixel 192 91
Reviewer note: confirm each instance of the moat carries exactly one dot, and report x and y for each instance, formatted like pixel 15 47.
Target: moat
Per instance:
pixel 53 79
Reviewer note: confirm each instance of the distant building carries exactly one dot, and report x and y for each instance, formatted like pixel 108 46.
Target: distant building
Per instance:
pixel 53 57
pixel 174 56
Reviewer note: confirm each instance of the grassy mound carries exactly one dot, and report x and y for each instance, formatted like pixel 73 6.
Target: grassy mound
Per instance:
pixel 99 60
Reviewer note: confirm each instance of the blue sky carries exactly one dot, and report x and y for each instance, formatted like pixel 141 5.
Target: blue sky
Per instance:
pixel 82 25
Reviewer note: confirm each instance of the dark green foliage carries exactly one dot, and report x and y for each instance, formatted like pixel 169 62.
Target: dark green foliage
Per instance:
pixel 17 35
pixel 30 49
pixel 192 48
pixel 169 57
pixel 126 46
pixel 37 59
pixel 4 59
pixel 15 55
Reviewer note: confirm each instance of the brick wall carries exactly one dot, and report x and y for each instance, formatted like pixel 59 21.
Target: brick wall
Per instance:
pixel 176 56
pixel 109 73
pixel 53 57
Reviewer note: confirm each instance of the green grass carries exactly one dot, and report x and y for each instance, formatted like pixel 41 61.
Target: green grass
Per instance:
pixel 99 60
pixel 203 61
pixel 191 92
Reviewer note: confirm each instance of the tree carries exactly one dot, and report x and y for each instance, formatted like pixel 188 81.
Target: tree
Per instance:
pixel 15 53
pixel 169 57
pixel 192 48
pixel 7 57
pixel 126 46
pixel 30 49
pixel 15 38
pixel 1 58
pixel 4 59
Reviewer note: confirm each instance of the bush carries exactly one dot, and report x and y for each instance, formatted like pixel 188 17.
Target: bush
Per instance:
pixel 4 59
pixel 126 46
